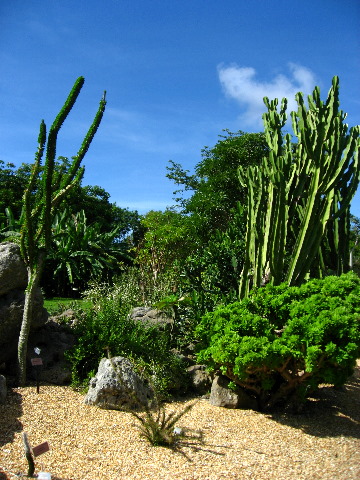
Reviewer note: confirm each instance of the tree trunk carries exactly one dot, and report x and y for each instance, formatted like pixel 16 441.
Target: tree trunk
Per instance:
pixel 34 275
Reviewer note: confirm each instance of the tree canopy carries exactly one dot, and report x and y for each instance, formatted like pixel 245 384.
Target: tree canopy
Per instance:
pixel 93 199
pixel 215 187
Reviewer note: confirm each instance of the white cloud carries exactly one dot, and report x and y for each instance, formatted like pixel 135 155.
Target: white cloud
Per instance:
pixel 240 83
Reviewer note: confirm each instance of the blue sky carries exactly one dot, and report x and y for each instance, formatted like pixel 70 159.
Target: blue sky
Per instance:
pixel 176 73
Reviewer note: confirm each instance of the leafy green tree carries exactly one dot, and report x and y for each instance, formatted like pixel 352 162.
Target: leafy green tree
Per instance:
pixel 215 186
pixel 41 201
pixel 212 200
pixel 211 274
pixel 80 253
pixel 94 200
pixel 165 243
pixel 13 182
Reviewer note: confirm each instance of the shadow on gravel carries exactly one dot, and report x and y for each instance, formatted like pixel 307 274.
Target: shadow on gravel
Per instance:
pixel 10 413
pixel 330 412
pixel 194 440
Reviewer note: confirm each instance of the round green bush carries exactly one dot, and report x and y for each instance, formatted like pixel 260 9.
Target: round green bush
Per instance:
pixel 282 342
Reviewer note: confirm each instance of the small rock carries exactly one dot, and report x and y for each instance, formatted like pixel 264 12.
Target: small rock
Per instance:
pixel 222 396
pixel 199 378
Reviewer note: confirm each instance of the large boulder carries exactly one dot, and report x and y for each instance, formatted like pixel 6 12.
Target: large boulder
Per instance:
pixel 13 281
pixel 13 274
pixel 222 396
pixel 200 380
pixel 53 339
pixel 151 316
pixel 117 386
pixel 11 313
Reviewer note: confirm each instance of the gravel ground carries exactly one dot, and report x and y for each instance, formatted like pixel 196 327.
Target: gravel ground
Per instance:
pixel 93 444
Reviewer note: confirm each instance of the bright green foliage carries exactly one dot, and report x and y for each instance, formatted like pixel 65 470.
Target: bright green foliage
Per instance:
pixel 41 200
pixel 281 342
pixel 165 241
pixel 211 273
pixel 58 305
pixel 355 244
pixel 215 186
pixel 215 220
pixel 81 252
pixel 13 182
pixel 10 227
pixel 107 326
pixel 298 202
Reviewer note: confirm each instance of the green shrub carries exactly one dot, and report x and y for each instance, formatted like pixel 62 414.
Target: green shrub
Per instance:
pixel 282 342
pixel 108 327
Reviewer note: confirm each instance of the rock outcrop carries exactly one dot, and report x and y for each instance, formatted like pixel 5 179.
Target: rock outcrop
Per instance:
pixel 151 316
pixel 117 386
pixel 53 339
pixel 13 274
pixel 200 380
pixel 13 281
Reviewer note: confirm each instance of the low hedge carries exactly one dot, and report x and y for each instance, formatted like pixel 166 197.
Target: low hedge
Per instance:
pixel 282 342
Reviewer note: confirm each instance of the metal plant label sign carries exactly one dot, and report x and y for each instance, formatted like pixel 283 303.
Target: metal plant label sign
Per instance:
pixel 40 449
pixel 36 362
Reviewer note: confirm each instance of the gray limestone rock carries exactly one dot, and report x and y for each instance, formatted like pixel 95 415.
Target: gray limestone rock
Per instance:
pixel 199 379
pixel 11 312
pixel 13 281
pixel 53 339
pixel 117 386
pixel 13 274
pixel 222 396
pixel 151 316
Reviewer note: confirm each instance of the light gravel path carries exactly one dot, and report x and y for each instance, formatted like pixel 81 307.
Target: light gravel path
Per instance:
pixel 87 443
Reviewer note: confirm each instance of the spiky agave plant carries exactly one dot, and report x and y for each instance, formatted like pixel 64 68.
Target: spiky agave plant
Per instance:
pixel 158 427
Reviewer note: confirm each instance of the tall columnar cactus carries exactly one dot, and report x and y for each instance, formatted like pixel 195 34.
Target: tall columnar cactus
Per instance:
pixel 41 200
pixel 299 198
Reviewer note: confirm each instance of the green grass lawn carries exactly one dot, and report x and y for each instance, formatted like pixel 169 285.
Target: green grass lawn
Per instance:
pixel 57 305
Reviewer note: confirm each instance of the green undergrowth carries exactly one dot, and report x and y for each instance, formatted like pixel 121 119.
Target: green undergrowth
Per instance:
pixel 107 329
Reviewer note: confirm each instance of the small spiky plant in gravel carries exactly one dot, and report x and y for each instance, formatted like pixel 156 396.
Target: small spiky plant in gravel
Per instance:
pixel 158 427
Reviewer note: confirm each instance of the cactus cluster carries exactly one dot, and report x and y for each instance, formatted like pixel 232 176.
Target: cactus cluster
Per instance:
pixel 298 210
